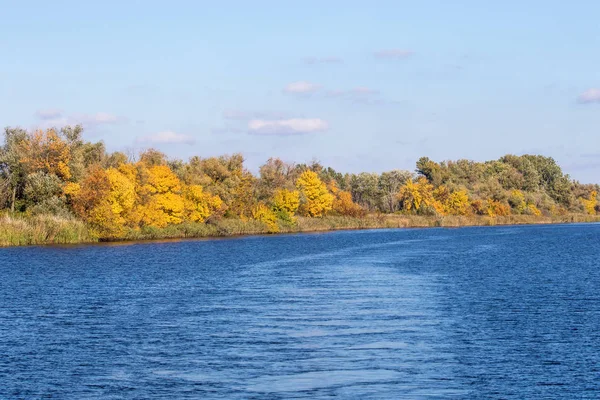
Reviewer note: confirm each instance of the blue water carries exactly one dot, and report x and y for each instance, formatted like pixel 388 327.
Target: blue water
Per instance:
pixel 499 312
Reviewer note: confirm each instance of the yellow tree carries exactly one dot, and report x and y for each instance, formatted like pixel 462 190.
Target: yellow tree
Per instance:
pixel 286 203
pixel 441 196
pixel 522 206
pixel 121 196
pixel 200 205
pixel 414 195
pixel 103 199
pixel 137 174
pixel 532 209
pixel 129 170
pixel 343 203
pixel 96 203
pixel 316 199
pixel 90 193
pixel 111 215
pixel 497 209
pixel 517 201
pixel 590 204
pixel 47 151
pixel 458 203
pixel 264 214
pixel 162 203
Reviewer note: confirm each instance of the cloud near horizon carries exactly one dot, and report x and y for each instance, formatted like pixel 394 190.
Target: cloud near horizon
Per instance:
pixel 166 137
pixel 589 96
pixel 49 113
pixel 55 118
pixel 302 87
pixel 283 127
pixel 99 118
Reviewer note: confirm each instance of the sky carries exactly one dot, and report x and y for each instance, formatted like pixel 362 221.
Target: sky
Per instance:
pixel 357 85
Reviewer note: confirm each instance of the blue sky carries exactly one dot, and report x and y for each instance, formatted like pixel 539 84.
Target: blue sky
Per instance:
pixel 360 86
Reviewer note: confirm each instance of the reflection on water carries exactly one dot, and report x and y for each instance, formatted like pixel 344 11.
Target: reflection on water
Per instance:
pixel 463 313
pixel 309 381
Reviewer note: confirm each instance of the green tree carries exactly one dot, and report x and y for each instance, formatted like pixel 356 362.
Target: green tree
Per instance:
pixel 430 170
pixel 12 170
pixel 365 190
pixel 275 174
pixel 389 184
pixel 40 187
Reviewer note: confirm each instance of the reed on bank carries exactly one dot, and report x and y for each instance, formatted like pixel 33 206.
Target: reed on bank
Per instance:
pixel 43 229
pixel 20 230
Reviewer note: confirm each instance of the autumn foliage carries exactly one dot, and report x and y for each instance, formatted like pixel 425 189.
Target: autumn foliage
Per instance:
pixel 56 172
pixel 46 151
pixel 286 203
pixel 317 200
pixel 590 204
pixel 343 203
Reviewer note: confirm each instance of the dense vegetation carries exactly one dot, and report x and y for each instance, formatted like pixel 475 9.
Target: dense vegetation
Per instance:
pixel 65 189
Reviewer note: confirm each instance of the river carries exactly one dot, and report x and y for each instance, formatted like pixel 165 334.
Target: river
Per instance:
pixel 482 312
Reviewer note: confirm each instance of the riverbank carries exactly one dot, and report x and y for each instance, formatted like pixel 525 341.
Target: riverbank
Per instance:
pixel 22 231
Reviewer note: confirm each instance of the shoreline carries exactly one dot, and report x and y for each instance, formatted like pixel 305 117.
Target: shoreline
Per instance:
pixel 42 231
pixel 125 242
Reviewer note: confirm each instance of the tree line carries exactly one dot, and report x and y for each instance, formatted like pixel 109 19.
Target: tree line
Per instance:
pixel 56 172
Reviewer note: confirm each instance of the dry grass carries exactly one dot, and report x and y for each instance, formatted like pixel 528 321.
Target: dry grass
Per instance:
pixel 20 230
pixel 42 229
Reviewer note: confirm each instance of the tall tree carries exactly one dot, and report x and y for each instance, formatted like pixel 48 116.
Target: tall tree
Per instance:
pixel 315 198
pixel 12 169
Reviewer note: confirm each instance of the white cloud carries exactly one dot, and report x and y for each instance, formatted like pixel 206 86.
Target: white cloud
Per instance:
pixel 54 118
pixel 293 126
pixel 94 120
pixel 302 87
pixel 393 53
pixel 58 122
pixel 166 137
pixel 589 96
pixel 100 118
pixel 49 113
